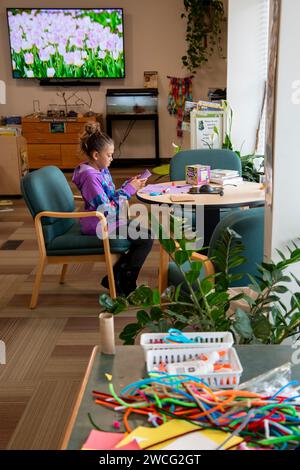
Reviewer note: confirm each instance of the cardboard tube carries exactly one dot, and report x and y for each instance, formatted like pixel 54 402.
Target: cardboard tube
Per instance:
pixel 107 334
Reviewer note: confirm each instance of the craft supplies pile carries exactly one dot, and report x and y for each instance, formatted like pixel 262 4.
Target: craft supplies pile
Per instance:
pixel 182 408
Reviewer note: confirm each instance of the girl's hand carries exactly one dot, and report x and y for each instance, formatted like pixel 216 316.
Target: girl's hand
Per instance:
pixel 137 183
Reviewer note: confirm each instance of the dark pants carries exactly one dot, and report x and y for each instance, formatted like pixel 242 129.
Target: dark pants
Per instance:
pixel 139 249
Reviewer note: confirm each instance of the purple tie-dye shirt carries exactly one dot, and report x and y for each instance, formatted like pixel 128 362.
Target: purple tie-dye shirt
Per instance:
pixel 97 189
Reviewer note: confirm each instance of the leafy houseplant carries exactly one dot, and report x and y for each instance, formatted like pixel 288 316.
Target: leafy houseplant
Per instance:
pixel 203 304
pixel 203 33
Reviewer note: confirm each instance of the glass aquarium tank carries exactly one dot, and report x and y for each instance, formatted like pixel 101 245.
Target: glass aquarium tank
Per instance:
pixel 132 101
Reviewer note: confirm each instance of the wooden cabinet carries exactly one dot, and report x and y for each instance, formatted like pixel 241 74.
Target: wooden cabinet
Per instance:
pixel 13 164
pixel 50 146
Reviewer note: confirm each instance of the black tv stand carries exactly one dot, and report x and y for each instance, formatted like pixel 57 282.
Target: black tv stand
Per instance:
pixel 70 83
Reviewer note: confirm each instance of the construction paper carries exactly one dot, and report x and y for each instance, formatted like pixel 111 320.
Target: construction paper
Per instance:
pixel 168 188
pixel 178 435
pixel 99 440
pixel 133 445
pixel 201 440
pixel 147 437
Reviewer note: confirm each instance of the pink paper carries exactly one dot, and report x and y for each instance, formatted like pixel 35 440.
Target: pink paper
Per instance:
pixel 99 440
pixel 156 188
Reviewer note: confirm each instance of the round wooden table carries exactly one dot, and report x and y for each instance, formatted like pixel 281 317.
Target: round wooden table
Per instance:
pixel 246 194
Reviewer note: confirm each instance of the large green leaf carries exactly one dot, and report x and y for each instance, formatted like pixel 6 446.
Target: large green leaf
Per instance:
pixel 207 285
pixel 129 333
pixel 181 257
pixel 295 300
pixel 280 289
pixel 192 276
pixel 295 321
pixel 143 295
pixel 156 297
pixel 143 318
pixel 242 324
pixel 178 316
pixel 107 302
pixel 156 313
pixel 169 245
pixel 261 327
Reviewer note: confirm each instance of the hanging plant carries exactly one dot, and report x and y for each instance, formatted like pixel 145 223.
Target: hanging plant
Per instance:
pixel 203 33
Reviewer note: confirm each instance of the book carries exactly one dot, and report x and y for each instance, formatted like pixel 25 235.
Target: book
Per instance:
pixel 227 181
pixel 209 105
pixel 224 173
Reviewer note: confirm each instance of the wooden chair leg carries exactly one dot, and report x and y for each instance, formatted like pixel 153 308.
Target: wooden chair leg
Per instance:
pixel 163 270
pixel 37 283
pixel 63 274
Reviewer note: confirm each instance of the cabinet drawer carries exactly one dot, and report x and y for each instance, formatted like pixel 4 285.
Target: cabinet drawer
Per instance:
pixel 55 138
pixel 71 156
pixel 43 155
pixel 75 127
pixel 35 127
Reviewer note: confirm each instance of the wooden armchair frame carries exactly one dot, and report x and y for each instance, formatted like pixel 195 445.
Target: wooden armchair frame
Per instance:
pixel 164 267
pixel 107 257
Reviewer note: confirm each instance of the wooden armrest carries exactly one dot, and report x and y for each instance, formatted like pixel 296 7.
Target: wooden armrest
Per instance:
pixel 74 215
pixel 208 265
pixel 78 197
pixel 71 215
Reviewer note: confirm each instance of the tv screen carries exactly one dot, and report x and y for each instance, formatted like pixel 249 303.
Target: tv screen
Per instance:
pixel 48 43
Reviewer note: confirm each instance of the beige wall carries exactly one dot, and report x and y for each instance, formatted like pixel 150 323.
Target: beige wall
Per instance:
pixel 154 40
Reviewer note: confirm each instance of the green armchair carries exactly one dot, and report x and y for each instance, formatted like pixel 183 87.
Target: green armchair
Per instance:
pixel 249 224
pixel 50 201
pixel 218 158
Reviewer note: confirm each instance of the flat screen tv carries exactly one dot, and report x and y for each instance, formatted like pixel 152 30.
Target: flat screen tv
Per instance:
pixel 51 43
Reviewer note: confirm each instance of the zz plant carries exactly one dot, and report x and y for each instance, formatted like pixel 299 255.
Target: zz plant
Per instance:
pixel 202 303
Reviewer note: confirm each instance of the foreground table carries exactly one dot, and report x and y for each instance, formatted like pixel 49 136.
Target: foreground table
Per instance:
pixel 128 366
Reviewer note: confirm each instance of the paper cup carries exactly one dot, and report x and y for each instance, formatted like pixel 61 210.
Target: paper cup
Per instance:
pixel 107 334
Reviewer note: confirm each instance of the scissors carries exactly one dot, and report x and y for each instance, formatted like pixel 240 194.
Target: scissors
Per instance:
pixel 176 336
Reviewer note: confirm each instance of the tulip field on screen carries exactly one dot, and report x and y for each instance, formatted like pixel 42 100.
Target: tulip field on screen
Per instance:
pixel 77 43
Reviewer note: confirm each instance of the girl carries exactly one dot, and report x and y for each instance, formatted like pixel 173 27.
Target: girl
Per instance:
pixel 95 183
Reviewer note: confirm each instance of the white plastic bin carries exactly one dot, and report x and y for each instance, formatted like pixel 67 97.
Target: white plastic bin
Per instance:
pixel 223 379
pixel 149 341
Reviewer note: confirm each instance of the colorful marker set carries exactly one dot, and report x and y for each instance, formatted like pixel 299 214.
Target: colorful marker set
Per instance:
pixel 176 352
pixel 204 364
pixel 261 421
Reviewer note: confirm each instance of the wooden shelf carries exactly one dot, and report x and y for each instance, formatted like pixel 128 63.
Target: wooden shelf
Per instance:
pixel 61 149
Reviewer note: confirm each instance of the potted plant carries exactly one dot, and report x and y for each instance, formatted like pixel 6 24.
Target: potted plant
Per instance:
pixel 203 32
pixel 204 304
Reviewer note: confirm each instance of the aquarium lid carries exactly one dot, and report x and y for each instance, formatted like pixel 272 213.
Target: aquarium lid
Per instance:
pixel 132 92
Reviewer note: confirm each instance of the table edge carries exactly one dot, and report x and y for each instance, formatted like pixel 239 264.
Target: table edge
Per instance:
pixel 80 395
pixel 260 203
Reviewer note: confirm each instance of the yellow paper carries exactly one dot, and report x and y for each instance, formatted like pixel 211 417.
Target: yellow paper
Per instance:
pixel 202 440
pixel 167 434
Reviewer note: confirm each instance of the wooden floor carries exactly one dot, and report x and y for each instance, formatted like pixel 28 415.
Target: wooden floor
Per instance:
pixel 47 348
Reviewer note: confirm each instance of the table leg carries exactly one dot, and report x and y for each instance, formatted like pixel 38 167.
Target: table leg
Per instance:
pixel 211 220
